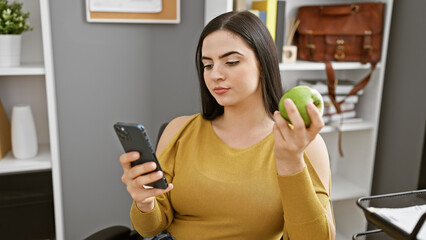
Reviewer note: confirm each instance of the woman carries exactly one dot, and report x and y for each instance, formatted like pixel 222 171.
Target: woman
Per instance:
pixel 238 170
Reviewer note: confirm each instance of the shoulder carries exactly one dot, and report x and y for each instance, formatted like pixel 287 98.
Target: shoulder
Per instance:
pixel 318 155
pixel 171 130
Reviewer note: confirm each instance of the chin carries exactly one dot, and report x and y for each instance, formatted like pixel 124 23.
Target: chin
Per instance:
pixel 226 103
pixel 222 102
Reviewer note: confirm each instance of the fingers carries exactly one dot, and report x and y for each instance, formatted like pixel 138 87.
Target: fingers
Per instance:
pixel 297 120
pixel 144 180
pixel 281 125
pixel 296 136
pixel 130 172
pixel 147 194
pixel 137 179
pixel 294 115
pixel 156 191
pixel 139 188
pixel 127 158
pixel 316 119
pixel 141 169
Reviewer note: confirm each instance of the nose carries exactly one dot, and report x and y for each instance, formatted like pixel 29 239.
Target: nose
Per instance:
pixel 217 73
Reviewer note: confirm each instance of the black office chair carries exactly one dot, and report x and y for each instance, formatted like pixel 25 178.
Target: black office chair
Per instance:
pixel 121 232
pixel 115 233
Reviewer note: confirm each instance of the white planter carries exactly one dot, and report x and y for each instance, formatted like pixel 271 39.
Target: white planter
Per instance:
pixel 10 50
pixel 24 136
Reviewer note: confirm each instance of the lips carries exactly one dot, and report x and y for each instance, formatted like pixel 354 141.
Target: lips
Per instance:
pixel 220 90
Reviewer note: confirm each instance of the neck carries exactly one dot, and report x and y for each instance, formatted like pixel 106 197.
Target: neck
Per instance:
pixel 243 127
pixel 245 118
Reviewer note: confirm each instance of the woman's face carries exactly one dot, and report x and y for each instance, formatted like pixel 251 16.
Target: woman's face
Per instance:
pixel 231 69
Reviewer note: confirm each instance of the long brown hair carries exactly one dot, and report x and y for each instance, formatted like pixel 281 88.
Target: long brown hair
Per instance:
pixel 258 38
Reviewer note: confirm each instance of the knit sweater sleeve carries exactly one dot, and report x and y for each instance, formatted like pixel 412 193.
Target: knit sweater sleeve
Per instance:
pixel 160 218
pixel 305 202
pixel 151 223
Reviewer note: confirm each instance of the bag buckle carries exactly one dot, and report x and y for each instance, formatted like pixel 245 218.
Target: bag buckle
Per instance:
pixel 367 40
pixel 355 8
pixel 311 46
pixel 340 50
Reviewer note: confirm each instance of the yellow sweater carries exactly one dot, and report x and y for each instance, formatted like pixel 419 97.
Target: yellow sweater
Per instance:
pixel 222 192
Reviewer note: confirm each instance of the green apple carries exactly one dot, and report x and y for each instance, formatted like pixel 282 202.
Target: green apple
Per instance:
pixel 301 96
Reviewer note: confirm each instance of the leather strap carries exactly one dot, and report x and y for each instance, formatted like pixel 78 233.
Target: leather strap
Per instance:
pixel 310 45
pixel 361 84
pixel 332 83
pixel 367 46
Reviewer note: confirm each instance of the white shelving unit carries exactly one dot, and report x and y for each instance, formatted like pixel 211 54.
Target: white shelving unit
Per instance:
pixel 33 83
pixel 23 70
pixel 10 165
pixel 301 65
pixel 352 174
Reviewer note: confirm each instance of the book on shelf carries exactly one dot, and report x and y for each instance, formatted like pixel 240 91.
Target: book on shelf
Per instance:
pixel 337 117
pixel 280 29
pixel 272 13
pixel 259 14
pixel 329 108
pixel 5 132
pixel 349 99
pixel 342 87
pixel 345 121
pixel 270 7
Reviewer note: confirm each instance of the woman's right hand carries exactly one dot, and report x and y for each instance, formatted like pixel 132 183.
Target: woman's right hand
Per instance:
pixel 136 180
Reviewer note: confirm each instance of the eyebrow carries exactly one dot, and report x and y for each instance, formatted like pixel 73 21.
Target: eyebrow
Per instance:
pixel 223 55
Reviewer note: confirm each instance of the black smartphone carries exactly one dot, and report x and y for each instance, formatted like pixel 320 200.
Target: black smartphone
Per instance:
pixel 133 137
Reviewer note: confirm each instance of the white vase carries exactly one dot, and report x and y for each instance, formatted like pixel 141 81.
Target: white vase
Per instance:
pixel 10 50
pixel 23 132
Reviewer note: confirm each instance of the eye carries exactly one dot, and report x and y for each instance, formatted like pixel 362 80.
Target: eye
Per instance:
pixel 232 63
pixel 208 66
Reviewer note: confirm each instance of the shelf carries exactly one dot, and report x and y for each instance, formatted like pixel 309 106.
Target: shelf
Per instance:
pixel 300 65
pixel 347 127
pixel 42 161
pixel 24 69
pixel 343 189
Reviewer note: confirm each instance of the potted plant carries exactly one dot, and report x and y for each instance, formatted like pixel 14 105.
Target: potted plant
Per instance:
pixel 13 22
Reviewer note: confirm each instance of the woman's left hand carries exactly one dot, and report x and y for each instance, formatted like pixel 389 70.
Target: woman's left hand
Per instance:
pixel 291 142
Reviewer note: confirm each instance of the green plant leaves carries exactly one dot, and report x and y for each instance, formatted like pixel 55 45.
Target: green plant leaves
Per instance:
pixel 12 19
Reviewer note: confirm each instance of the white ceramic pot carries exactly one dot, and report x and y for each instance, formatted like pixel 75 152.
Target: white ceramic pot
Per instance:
pixel 10 50
pixel 23 132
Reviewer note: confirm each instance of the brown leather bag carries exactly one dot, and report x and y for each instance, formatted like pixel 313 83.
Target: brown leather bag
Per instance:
pixel 350 33
pixel 341 32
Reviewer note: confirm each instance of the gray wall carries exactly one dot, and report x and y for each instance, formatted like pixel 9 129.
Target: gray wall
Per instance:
pixel 402 118
pixel 114 72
